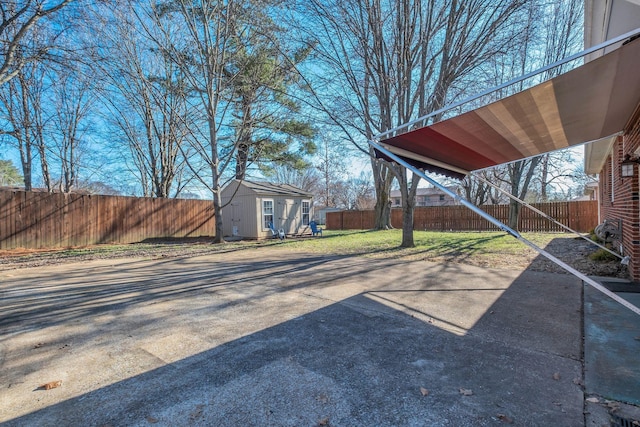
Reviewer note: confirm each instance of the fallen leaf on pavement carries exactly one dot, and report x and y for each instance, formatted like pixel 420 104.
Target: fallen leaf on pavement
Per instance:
pixel 556 376
pixel 466 392
pixel 505 419
pixel 152 420
pixel 324 422
pixel 424 391
pixel 50 385
pixel 593 399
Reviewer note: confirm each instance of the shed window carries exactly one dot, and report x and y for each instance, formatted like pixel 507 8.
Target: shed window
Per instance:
pixel 267 214
pixel 306 209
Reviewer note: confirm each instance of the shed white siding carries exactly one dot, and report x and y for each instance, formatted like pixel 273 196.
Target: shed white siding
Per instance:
pixel 244 217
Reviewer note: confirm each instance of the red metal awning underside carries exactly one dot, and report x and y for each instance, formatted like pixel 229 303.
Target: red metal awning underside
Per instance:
pixel 591 102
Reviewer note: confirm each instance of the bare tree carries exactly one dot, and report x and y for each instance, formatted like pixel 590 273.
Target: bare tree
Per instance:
pixel 480 193
pixel 355 193
pixel 22 111
pixel 554 28
pixel 331 164
pixel 217 36
pixel 20 18
pixel 307 179
pixel 396 61
pixel 73 100
pixel 202 56
pixel 555 171
pixel 519 175
pixel 562 36
pixel 146 93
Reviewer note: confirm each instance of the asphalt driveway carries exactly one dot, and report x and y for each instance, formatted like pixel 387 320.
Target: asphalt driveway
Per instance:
pixel 274 338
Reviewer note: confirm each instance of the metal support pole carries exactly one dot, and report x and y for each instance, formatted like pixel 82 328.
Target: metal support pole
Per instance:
pixel 504 227
pixel 623 260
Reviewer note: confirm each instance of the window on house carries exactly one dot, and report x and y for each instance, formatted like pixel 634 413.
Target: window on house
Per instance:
pixel 267 213
pixel 306 209
pixel 442 197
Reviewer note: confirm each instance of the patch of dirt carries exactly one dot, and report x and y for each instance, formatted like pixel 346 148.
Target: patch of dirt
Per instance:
pixel 573 251
pixel 28 258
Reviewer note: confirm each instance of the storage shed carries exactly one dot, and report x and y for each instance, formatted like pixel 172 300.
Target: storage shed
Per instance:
pixel 256 204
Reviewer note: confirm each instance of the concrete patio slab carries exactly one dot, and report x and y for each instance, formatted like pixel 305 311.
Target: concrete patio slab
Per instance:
pixel 263 339
pixel 612 347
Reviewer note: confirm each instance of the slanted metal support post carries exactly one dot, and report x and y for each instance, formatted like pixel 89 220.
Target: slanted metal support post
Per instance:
pixel 505 228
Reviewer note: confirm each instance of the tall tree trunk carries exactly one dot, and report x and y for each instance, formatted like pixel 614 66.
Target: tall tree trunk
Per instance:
pixel 514 215
pixel 242 156
pixel 544 176
pixel 408 191
pixel 26 162
pixel 216 190
pixel 382 180
pixel 520 175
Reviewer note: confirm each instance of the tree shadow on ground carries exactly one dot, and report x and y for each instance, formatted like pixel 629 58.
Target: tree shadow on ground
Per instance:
pixel 358 359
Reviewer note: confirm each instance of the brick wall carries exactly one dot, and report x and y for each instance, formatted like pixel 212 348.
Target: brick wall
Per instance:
pixel 619 196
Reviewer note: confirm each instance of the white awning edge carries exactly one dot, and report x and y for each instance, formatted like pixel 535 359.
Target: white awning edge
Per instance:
pixel 413 156
pixel 596 153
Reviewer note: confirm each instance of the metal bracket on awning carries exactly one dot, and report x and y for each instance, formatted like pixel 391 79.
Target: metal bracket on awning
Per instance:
pixel 428 160
pixel 504 227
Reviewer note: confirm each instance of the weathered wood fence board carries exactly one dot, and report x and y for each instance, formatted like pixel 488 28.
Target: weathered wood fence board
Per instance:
pixel 581 216
pixel 41 220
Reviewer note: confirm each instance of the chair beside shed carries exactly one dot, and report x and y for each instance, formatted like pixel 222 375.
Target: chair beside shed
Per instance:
pixel 315 230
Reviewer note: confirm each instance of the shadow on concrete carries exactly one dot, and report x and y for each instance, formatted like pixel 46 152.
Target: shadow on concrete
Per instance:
pixel 378 332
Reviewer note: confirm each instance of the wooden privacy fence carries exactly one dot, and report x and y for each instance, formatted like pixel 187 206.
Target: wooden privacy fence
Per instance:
pixel 580 216
pixel 42 220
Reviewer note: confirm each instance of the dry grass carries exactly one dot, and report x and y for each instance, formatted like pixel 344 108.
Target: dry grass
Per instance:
pixel 487 249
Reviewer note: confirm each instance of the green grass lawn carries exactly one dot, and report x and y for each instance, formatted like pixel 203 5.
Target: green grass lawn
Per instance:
pixel 432 244
pixel 479 248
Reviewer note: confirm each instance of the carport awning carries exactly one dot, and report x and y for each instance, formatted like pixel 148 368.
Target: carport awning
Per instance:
pixel 589 103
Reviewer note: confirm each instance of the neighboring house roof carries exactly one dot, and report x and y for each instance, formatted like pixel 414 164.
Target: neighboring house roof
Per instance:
pixel 267 188
pixel 424 192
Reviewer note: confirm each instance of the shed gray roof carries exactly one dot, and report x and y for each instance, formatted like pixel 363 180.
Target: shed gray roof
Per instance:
pixel 262 187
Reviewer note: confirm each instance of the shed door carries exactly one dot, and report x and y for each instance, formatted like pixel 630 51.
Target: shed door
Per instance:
pixel 289 216
pixel 236 219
